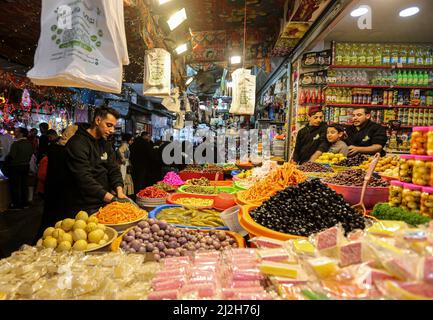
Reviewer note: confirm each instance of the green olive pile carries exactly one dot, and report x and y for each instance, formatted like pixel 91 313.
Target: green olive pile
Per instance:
pixel 307 208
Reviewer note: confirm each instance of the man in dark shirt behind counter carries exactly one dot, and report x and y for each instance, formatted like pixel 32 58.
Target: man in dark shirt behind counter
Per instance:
pixel 365 136
pixel 92 166
pixel 311 140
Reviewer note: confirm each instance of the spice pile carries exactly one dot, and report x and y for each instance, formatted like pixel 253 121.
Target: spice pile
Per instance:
pixel 354 161
pixel 152 192
pixel 314 167
pixel 355 177
pixel 305 209
pixel 198 182
pixel 165 187
pixel 173 179
pixel 117 212
pixel 286 175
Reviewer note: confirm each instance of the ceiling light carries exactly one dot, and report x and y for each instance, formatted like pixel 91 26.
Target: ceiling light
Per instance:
pixel 235 60
pixel 182 48
pixel 359 12
pixel 189 80
pixel 409 12
pixel 163 1
pixel 176 19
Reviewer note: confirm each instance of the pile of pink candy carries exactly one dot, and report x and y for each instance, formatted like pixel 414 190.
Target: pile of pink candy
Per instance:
pixel 231 275
pixel 173 179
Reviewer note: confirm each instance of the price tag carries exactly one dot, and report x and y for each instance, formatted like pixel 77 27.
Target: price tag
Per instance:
pixel 399 65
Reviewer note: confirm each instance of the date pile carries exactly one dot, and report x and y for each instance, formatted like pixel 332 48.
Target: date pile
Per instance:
pixel 355 177
pixel 307 208
pixel 354 161
pixel 314 167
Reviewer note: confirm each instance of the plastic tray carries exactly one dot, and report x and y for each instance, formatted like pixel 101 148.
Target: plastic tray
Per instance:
pixel 154 215
pixel 172 198
pixel 112 235
pixel 230 190
pixel 115 245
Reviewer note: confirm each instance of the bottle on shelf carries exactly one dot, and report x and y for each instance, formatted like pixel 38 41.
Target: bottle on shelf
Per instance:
pixel 394 54
pixel 411 56
pixel 410 78
pixel 362 59
pixel 419 56
pixel 347 54
pixel 339 52
pixel 302 97
pixel 386 55
pixel 428 56
pixel 353 54
pixel 404 79
pixel 370 55
pixel 402 57
pixel 378 55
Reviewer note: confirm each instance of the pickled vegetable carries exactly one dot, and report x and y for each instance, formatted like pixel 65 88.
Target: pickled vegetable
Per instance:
pixel 422 170
pixel 191 217
pixel 430 142
pixel 194 202
pixel 395 193
pixel 406 168
pixel 427 202
pixel 201 189
pixel 411 197
pixel 418 141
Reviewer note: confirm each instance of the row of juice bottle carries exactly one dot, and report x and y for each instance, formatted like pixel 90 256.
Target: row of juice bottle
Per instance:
pixel 420 78
pixel 376 54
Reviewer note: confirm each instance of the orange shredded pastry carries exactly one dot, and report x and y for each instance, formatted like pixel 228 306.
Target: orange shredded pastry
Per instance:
pixel 277 180
pixel 116 212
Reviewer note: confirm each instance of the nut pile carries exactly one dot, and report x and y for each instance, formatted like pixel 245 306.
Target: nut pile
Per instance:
pixel 314 167
pixel 354 161
pixel 307 208
pixel 355 177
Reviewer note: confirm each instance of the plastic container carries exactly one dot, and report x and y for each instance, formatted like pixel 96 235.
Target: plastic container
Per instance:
pixel 256 230
pixel 405 167
pixel 422 170
pixel 430 141
pixel 411 197
pixel 231 220
pixel 224 201
pixel 230 190
pixel 395 193
pixel 223 183
pixel 418 141
pixel 150 202
pixel 352 194
pixel 154 215
pixel 176 196
pixel 426 208
pixel 187 175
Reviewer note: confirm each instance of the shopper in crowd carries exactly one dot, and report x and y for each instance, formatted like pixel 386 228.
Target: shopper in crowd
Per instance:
pixel 17 168
pixel 365 136
pixel 95 175
pixel 335 136
pixel 34 140
pixel 311 140
pixel 53 180
pixel 125 166
pixel 6 141
pixel 141 162
pixel 43 140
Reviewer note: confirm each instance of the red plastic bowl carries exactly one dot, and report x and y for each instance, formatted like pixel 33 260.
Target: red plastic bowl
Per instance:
pixel 175 196
pixel 352 195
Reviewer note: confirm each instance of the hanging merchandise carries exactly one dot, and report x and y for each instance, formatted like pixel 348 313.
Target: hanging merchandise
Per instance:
pixel 186 102
pixel 157 73
pixel 244 92
pixel 84 51
pixel 172 103
pixel 180 123
pixel 25 99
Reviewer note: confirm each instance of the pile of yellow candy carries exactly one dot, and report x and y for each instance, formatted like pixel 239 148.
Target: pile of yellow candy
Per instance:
pixel 387 165
pixel 245 174
pixel 329 157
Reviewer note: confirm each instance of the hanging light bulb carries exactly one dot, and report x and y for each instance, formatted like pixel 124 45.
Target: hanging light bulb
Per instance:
pixel 176 19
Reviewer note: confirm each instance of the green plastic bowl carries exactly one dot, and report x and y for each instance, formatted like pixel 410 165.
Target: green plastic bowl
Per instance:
pixel 230 190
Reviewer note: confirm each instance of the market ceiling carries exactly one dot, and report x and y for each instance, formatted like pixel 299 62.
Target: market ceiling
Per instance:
pixel 216 25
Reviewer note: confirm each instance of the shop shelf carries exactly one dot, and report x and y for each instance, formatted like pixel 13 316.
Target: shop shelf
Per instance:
pixel 378 86
pixel 381 67
pixel 348 105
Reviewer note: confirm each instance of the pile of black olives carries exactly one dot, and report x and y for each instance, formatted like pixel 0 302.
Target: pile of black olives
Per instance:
pixel 354 161
pixel 307 208
pixel 313 167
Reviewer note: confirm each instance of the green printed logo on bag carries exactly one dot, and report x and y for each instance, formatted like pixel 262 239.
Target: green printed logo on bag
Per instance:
pixel 366 138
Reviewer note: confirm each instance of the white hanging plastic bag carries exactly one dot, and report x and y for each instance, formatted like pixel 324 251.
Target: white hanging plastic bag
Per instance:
pixel 83 50
pixel 172 102
pixel 157 73
pixel 244 92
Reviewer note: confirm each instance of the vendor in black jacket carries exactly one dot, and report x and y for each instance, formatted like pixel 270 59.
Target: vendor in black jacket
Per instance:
pixel 311 140
pixel 92 166
pixel 365 136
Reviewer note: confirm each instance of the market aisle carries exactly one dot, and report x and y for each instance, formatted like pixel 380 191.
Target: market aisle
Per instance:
pixel 19 227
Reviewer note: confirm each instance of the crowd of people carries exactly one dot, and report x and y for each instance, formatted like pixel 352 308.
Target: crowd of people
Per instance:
pixel 363 136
